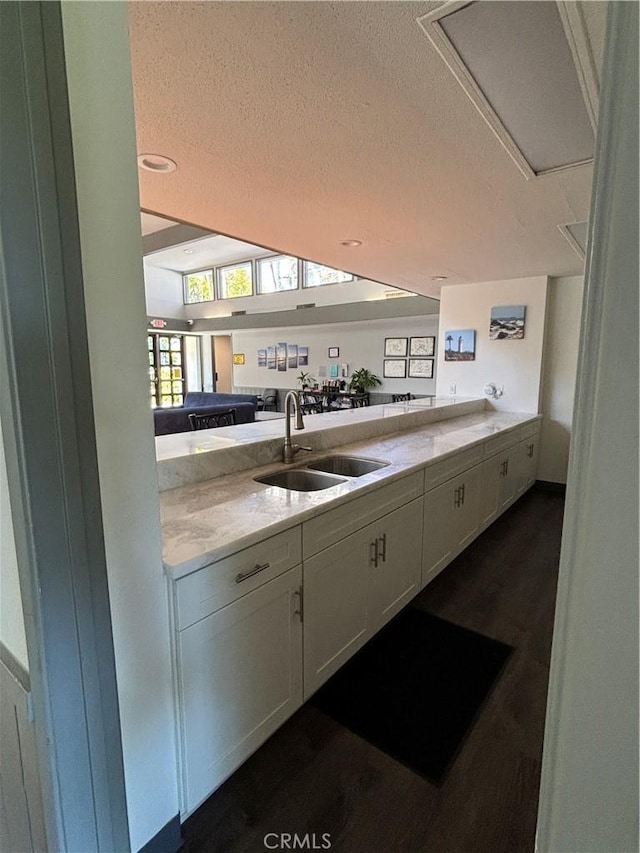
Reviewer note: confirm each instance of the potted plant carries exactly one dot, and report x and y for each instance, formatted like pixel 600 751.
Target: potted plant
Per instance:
pixel 362 380
pixel 305 380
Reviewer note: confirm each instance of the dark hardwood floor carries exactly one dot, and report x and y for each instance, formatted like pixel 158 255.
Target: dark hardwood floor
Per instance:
pixel 313 776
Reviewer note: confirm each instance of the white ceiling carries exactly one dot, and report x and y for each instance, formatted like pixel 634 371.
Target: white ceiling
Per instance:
pixel 299 124
pixel 150 223
pixel 206 252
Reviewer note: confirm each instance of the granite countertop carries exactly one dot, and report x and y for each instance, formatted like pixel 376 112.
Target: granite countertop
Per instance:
pixel 207 521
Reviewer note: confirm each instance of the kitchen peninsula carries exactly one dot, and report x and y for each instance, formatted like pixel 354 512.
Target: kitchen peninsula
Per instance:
pixel 272 590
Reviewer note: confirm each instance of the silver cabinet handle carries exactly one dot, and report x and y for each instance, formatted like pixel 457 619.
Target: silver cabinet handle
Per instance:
pixel 300 611
pixel 383 547
pixel 530 451
pixel 259 567
pixel 456 497
pixel 462 493
pixel 373 553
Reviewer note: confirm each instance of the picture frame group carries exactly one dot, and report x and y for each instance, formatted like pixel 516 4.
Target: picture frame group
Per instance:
pixel 411 357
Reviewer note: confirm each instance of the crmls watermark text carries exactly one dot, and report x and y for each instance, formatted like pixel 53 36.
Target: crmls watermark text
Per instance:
pixel 293 841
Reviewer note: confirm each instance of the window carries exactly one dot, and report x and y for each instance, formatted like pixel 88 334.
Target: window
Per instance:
pixel 277 273
pixel 166 370
pixel 198 286
pixel 235 280
pixel 315 275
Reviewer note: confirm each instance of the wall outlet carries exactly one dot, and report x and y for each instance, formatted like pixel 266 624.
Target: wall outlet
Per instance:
pixel 452 388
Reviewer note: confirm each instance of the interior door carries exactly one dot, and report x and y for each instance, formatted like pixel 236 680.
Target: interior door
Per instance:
pixel 222 364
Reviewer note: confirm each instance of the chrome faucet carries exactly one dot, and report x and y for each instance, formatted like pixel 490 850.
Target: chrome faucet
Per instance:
pixel 289 450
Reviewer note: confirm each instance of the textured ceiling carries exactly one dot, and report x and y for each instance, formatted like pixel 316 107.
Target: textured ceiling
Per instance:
pixel 299 124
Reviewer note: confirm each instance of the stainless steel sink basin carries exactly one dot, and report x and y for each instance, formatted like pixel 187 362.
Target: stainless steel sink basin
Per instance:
pixel 300 480
pixel 347 466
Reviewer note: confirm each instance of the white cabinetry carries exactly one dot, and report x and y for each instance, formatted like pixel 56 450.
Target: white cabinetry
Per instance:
pixel 528 462
pixel 239 668
pixel 451 521
pixel 355 585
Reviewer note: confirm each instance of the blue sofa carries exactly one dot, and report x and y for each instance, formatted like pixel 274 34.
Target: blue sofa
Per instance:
pixel 167 421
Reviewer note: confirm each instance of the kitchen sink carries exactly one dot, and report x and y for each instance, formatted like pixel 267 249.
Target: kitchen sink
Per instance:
pixel 347 466
pixel 300 480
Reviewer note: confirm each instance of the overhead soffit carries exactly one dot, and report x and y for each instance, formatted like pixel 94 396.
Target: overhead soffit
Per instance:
pixel 515 62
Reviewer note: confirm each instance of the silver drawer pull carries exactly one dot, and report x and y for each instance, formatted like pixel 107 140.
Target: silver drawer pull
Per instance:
pixel 259 567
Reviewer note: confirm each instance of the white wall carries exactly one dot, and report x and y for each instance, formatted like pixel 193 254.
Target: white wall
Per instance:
pixel 514 364
pixel 163 291
pixel 360 344
pixel 360 290
pixel 102 124
pixel 12 632
pixel 564 310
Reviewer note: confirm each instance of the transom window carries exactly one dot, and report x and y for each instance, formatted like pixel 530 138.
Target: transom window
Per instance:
pixel 235 280
pixel 315 275
pixel 198 286
pixel 279 272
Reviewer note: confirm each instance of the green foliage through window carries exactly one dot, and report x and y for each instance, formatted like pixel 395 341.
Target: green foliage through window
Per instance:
pixel 198 286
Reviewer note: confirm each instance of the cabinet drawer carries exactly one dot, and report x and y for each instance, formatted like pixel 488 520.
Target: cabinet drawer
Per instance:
pixel 217 585
pixel 529 430
pixel 327 529
pixel 501 442
pixel 440 472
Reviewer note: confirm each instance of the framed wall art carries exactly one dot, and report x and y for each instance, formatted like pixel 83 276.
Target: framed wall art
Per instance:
pixel 334 352
pixel 460 345
pixel 421 368
pixel 394 368
pixel 507 322
pixel 422 347
pixel 238 358
pixel 395 347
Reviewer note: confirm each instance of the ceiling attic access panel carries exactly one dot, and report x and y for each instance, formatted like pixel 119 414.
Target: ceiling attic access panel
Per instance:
pixel 514 62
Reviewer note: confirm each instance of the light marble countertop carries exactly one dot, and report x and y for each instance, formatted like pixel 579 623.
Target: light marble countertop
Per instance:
pixel 207 521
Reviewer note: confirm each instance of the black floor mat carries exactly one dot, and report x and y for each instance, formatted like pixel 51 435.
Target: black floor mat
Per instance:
pixel 415 689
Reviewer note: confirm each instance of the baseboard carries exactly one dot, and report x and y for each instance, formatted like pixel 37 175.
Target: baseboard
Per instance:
pixel 548 486
pixel 167 840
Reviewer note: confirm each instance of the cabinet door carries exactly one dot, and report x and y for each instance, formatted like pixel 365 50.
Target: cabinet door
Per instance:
pixel 396 578
pixel 490 486
pixel 528 462
pixel 509 476
pixel 439 531
pixel 336 593
pixel 467 512
pixel 240 677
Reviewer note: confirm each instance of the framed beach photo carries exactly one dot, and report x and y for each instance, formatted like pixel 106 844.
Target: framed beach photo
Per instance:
pixel 507 322
pixel 394 368
pixel 395 347
pixel 262 358
pixel 460 345
pixel 422 347
pixel 421 368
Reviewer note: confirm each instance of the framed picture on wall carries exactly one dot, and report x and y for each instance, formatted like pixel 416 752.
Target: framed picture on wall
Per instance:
pixel 395 347
pixel 271 358
pixel 394 368
pixel 422 347
pixel 334 352
pixel 292 356
pixel 262 358
pixel 507 322
pixel 421 368
pixel 460 345
pixel 303 356
pixel 238 358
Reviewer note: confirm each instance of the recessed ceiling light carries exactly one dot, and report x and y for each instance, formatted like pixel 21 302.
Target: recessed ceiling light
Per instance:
pixel 156 163
pixel 351 243
pixel 188 251
pixel 439 278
